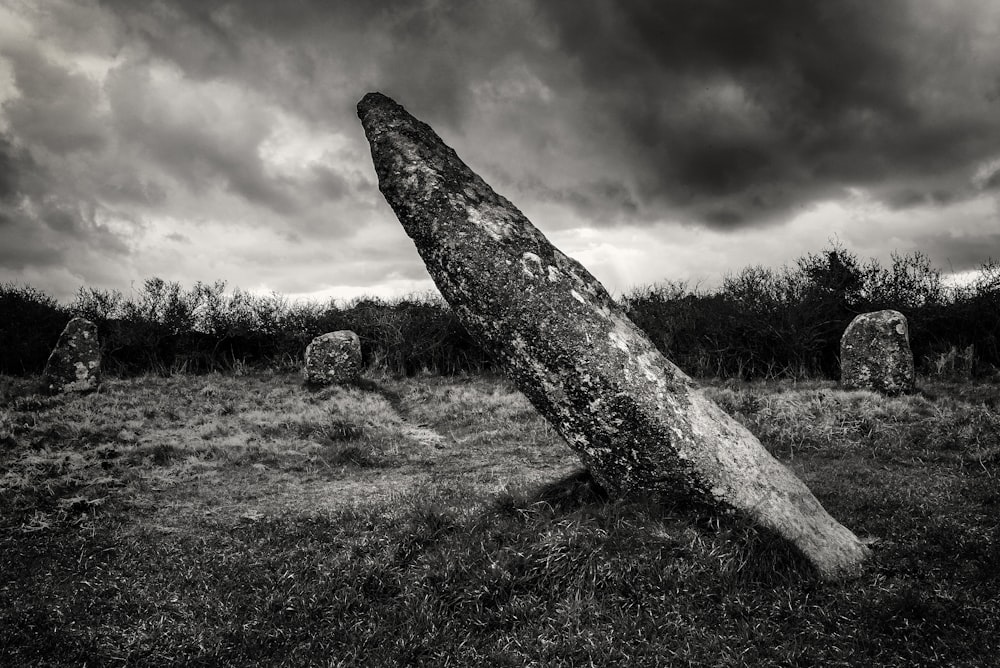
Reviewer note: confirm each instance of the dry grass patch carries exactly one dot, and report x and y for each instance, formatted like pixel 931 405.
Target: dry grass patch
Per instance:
pixel 218 520
pixel 221 441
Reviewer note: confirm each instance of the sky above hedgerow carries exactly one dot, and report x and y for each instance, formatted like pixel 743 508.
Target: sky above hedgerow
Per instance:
pixel 649 139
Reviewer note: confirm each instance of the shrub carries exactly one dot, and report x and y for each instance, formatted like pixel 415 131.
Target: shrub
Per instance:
pixel 760 323
pixel 30 325
pixel 788 322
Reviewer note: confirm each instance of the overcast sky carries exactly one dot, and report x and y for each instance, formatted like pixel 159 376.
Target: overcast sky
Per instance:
pixel 649 139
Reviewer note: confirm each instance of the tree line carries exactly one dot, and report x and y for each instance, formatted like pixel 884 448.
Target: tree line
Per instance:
pixel 759 323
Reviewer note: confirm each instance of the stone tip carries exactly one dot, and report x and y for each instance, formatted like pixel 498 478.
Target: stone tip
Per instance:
pixel 373 100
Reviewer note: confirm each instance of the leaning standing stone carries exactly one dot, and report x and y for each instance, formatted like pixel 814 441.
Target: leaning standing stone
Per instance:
pixel 333 358
pixel 634 419
pixel 875 353
pixel 75 363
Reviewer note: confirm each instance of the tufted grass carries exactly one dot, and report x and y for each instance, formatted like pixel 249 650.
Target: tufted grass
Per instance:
pixel 224 520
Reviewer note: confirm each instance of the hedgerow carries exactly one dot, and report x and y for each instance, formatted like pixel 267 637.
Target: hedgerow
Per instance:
pixel 759 323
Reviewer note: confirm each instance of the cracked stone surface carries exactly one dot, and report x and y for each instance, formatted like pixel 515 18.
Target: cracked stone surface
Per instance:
pixel 875 353
pixel 333 358
pixel 634 419
pixel 75 363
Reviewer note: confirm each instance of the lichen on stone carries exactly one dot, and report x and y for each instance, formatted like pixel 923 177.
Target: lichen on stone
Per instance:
pixel 634 419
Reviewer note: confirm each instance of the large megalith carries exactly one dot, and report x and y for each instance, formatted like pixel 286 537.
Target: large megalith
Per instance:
pixel 333 358
pixel 635 420
pixel 75 363
pixel 875 353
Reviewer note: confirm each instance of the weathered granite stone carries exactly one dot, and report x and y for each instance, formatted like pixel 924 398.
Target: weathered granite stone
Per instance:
pixel 333 358
pixel 635 420
pixel 75 363
pixel 875 353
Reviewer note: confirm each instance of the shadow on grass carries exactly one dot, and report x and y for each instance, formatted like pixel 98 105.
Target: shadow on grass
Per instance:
pixel 318 390
pixel 573 491
pixel 25 394
pixel 750 554
pixel 361 383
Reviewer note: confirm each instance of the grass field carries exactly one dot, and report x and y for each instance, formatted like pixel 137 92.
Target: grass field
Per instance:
pixel 247 520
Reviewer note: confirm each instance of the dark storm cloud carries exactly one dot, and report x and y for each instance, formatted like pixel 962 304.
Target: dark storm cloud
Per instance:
pixel 829 94
pixel 20 175
pixel 55 108
pixel 602 199
pixel 48 231
pixel 44 219
pixel 331 184
pixel 208 140
pixel 304 52
pixel 182 140
pixel 313 59
pixel 23 248
pixel 8 170
pixel 961 253
pixel 122 185
pixel 992 182
pixel 726 114
pixel 726 111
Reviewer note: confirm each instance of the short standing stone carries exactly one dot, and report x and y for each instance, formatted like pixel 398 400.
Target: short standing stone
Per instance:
pixel 75 362
pixel 332 358
pixel 637 421
pixel 875 353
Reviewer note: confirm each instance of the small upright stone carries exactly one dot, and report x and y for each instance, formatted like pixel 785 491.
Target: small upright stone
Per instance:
pixel 875 353
pixel 333 358
pixel 75 362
